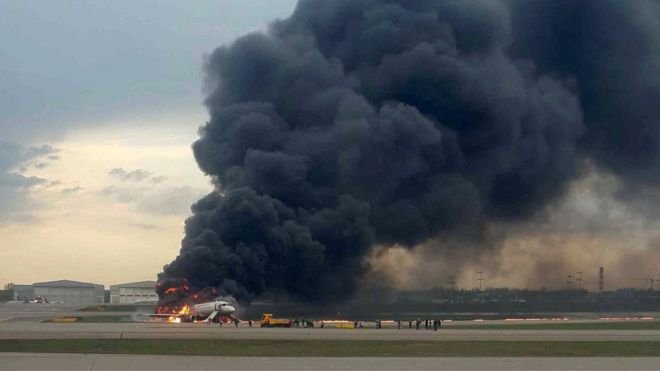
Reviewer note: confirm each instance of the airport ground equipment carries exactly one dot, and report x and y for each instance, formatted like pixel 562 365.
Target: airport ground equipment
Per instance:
pixel 267 320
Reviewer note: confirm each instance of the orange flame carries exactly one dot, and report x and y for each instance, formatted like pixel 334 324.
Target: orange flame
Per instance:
pixel 176 317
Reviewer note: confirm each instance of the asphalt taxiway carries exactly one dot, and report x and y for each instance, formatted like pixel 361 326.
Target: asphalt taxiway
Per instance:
pixel 31 330
pixel 25 322
pixel 32 361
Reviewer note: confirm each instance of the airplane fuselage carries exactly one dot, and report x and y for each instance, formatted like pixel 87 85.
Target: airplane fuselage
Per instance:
pixel 222 308
pixel 209 312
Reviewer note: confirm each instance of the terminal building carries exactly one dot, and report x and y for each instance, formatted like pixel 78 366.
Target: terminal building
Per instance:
pixel 70 292
pixel 135 292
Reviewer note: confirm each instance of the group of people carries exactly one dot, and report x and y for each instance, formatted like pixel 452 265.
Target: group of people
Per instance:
pixel 304 323
pixel 428 324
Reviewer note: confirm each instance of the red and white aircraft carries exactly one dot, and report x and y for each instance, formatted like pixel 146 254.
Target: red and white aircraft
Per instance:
pixel 206 312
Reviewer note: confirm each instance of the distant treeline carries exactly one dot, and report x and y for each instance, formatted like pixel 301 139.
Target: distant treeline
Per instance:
pixel 452 304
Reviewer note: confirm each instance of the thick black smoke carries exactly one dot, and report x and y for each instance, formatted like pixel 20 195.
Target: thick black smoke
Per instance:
pixel 363 122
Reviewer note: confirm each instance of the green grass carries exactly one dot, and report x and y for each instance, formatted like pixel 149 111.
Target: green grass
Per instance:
pixel 118 308
pixel 632 325
pixel 96 319
pixel 106 319
pixel 339 348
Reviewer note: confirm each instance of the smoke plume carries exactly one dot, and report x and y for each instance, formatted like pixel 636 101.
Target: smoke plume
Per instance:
pixel 357 124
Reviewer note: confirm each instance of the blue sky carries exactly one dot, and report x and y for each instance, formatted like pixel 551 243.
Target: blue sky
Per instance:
pixel 66 64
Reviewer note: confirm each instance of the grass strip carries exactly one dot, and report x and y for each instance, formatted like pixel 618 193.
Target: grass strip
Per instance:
pixel 633 325
pixel 119 308
pixel 339 348
pixel 90 319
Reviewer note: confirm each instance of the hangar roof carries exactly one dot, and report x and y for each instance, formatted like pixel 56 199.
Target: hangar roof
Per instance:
pixel 65 283
pixel 141 284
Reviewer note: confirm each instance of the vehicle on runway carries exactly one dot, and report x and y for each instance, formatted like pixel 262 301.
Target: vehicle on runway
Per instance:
pixel 267 320
pixel 25 300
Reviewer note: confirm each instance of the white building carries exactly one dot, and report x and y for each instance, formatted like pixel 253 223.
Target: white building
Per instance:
pixel 129 293
pixel 70 292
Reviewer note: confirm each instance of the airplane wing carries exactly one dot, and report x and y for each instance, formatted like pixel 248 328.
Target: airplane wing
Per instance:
pixel 160 315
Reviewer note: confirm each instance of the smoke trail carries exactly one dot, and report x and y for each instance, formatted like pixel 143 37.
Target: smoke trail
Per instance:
pixel 357 123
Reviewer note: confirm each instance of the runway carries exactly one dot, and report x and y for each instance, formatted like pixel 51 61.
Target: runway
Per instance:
pixel 32 330
pixel 31 361
pixel 24 322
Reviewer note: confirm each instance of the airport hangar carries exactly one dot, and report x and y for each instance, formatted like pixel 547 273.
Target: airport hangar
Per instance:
pixel 63 291
pixel 70 292
pixel 129 293
pixel 83 293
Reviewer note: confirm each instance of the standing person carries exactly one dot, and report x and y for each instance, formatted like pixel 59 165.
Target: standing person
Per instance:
pixel 398 323
pixel 410 325
pixel 435 325
pixel 250 323
pixel 417 323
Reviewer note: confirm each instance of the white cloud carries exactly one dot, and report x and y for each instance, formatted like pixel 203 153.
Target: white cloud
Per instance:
pixel 16 205
pixel 163 200
pixel 72 190
pixel 137 175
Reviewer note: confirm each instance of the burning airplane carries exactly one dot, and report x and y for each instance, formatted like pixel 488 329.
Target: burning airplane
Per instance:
pixel 213 311
pixel 182 305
